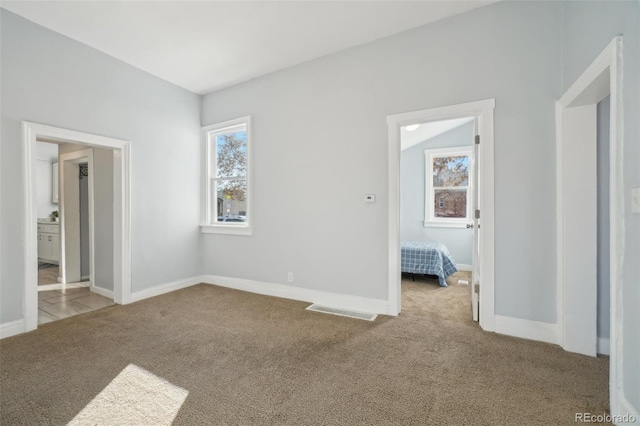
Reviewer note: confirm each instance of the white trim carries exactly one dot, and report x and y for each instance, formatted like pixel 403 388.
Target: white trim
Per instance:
pixel 588 89
pixel 101 291
pixel 334 300
pixel 12 328
pixel 483 110
pixel 526 329
pixel 205 203
pixel 627 408
pixel 166 288
pixel 445 224
pixel 60 286
pixel 429 209
pixel 226 229
pixel 604 345
pixel 464 267
pixel 122 211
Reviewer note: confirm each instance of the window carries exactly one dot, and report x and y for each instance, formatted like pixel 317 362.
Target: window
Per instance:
pixel 448 189
pixel 226 194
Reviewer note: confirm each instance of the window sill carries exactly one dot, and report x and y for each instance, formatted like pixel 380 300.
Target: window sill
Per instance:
pixel 445 224
pixel 226 229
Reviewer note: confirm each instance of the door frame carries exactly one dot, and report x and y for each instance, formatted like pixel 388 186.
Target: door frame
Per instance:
pixel 483 111
pixel 601 78
pixel 33 132
pixel 77 157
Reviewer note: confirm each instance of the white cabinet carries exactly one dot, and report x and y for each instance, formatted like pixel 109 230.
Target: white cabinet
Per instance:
pixel 54 183
pixel 49 242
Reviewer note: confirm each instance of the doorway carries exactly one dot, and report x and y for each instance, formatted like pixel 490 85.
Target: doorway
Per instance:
pixel 577 193
pixel 119 207
pixel 437 204
pixel 482 287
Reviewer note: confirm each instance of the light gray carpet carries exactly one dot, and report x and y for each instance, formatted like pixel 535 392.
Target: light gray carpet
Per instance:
pixel 247 359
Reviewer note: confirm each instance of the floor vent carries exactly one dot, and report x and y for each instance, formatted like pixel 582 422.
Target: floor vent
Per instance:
pixel 342 312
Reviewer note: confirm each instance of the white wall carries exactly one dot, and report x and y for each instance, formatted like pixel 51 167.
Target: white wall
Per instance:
pixel 46 155
pixel 603 218
pixel 50 79
pixel 320 143
pixel 459 241
pixel 588 28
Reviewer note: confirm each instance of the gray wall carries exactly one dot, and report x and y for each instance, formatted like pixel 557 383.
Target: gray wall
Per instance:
pixel 603 218
pixel 320 143
pixel 50 79
pixel 103 162
pixel 459 241
pixel 588 28
pixel 103 216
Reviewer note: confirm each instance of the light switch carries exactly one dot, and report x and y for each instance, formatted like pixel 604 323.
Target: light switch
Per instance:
pixel 369 198
pixel 635 200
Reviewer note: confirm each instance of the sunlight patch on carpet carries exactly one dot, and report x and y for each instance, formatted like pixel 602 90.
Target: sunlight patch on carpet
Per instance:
pixel 134 397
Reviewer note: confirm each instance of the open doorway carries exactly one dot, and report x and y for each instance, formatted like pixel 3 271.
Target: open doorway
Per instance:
pixel 481 286
pixel 47 214
pixel 594 100
pixel 113 280
pixel 75 290
pixel 437 205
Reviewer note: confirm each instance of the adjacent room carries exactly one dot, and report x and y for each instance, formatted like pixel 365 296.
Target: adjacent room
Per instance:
pixel 437 204
pixel 389 212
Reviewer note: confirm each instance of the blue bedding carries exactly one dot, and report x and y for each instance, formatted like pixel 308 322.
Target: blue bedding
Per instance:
pixel 427 258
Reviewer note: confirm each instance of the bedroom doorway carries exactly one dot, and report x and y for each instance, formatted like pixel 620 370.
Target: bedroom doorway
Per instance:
pixel 438 196
pixel 458 196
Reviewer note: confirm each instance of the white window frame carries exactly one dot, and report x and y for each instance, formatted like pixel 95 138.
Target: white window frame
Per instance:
pixel 430 220
pixel 208 170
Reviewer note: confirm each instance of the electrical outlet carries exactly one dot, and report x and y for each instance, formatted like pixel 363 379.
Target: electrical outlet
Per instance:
pixel 290 277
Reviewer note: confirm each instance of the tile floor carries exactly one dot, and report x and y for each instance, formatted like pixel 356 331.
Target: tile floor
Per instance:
pixel 64 302
pixel 48 276
pixel 57 304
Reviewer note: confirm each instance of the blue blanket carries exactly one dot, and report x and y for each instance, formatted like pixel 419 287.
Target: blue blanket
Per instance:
pixel 427 258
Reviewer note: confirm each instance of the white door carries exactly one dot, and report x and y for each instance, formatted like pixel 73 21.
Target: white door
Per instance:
pixel 475 265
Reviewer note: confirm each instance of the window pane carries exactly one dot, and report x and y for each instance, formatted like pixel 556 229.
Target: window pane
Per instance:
pixel 231 154
pixel 450 203
pixel 451 171
pixel 229 201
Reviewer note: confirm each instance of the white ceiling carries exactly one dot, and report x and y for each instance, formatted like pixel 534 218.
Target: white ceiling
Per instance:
pixel 204 46
pixel 430 130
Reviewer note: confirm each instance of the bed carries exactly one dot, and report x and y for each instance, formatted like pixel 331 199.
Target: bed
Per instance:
pixel 428 259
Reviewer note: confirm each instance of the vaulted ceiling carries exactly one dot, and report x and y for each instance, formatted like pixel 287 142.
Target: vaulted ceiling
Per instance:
pixel 204 46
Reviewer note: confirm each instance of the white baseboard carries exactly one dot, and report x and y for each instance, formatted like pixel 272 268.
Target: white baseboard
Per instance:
pixel 626 409
pixel 84 277
pixel 603 345
pixel 464 267
pixel 526 329
pixel 11 328
pixel 102 292
pixel 165 288
pixel 335 300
